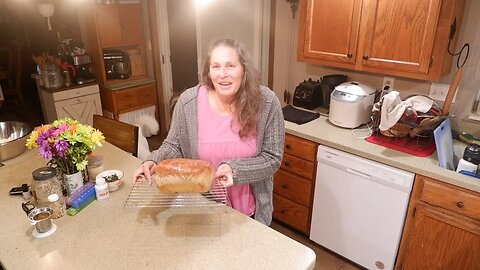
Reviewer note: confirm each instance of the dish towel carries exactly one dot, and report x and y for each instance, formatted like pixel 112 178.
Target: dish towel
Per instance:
pixel 393 108
pixel 298 116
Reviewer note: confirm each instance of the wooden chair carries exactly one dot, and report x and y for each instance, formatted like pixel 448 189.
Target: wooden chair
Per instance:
pixel 120 134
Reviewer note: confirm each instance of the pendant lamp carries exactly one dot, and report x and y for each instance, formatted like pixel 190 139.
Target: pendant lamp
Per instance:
pixel 47 10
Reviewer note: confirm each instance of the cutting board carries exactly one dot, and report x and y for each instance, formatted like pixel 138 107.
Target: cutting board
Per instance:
pixel 444 145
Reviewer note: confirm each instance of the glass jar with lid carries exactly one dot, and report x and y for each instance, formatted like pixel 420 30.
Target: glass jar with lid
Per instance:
pixel 45 182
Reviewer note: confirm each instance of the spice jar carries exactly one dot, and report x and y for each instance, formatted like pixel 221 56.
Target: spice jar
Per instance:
pixel 45 182
pixel 94 167
pixel 57 204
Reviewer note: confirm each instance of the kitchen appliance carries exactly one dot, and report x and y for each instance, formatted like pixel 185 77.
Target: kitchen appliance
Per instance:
pixel 351 104
pixel 470 159
pixel 117 64
pixel 329 82
pixel 82 64
pixel 308 94
pixel 359 207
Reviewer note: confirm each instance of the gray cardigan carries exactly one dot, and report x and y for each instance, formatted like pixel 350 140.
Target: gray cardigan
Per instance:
pixel 257 171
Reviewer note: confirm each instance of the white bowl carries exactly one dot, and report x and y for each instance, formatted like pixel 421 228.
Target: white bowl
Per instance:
pixel 115 185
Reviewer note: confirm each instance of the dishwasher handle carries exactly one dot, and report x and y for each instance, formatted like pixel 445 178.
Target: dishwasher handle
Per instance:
pixel 359 173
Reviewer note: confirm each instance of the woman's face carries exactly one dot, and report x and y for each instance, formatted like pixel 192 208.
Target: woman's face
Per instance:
pixel 226 71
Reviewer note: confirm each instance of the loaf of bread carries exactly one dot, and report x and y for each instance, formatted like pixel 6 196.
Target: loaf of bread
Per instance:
pixel 183 176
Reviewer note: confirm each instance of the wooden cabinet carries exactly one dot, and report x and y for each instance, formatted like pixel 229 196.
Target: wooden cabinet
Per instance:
pixel 79 103
pixel 294 184
pixel 115 27
pixel 129 99
pixel 442 230
pixel 400 38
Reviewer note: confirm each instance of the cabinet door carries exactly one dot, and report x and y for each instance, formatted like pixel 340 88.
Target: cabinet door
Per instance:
pixel 80 108
pixel 399 35
pixel 119 24
pixel 329 30
pixel 442 240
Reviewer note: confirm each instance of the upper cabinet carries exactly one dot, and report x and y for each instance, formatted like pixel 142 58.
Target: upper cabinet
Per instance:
pixel 400 38
pixel 117 31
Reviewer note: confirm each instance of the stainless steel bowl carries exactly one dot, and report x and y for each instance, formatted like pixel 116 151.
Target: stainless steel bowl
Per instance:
pixel 13 136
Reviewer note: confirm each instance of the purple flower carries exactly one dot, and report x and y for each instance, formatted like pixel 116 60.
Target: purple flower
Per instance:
pixel 59 130
pixel 60 147
pixel 45 151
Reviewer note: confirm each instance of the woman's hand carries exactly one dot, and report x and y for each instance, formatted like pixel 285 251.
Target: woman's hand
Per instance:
pixel 147 169
pixel 224 175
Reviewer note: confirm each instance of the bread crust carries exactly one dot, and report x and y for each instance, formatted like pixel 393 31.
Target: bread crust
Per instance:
pixel 183 176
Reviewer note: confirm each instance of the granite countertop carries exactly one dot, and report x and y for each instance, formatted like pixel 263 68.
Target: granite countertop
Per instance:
pixel 60 89
pixel 128 84
pixel 111 236
pixel 323 132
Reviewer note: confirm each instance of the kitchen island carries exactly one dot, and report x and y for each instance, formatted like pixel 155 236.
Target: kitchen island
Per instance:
pixel 111 236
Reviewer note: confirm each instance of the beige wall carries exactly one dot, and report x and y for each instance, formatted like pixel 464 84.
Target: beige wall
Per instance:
pixel 288 73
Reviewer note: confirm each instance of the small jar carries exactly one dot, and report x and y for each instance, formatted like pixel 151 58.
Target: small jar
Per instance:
pixel 101 190
pixel 57 204
pixel 94 167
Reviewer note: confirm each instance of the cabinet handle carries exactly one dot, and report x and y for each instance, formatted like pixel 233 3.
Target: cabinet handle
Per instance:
pixel 288 146
pixel 285 186
pixel 287 164
pixel 365 57
pixel 78 92
pixel 283 211
pixel 460 204
pixel 349 55
pixel 79 100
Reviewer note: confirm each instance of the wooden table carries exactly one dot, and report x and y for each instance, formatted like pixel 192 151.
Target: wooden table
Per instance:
pixel 110 236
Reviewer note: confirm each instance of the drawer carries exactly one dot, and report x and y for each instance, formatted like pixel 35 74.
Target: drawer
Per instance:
pixel 300 147
pixel 290 213
pixel 146 95
pixel 451 198
pixel 298 166
pixel 293 187
pixel 126 99
pixel 75 92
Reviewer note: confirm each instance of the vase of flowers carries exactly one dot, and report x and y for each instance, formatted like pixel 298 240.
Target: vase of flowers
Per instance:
pixel 66 143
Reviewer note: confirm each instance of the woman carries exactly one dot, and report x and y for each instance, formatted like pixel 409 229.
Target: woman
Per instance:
pixel 232 122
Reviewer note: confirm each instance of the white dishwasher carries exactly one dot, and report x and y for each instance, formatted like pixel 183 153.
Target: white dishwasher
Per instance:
pixel 359 208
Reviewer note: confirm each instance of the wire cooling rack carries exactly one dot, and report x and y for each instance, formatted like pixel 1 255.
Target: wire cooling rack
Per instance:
pixel 144 195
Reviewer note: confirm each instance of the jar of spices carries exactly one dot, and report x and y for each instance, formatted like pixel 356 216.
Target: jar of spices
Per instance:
pixel 94 167
pixel 45 182
pixel 57 204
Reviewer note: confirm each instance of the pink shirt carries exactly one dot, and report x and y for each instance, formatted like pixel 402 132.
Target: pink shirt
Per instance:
pixel 218 142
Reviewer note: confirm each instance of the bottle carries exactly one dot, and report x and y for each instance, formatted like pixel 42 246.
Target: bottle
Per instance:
pixel 57 204
pixel 101 190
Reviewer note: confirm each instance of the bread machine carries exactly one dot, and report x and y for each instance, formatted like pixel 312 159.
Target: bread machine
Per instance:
pixel 351 104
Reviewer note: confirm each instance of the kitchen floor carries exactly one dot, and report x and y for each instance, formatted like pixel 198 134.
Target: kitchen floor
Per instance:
pixel 326 260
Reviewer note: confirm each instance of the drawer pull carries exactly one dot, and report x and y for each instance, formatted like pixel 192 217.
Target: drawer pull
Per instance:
pixel 288 146
pixel 79 100
pixel 460 204
pixel 78 92
pixel 287 164
pixel 283 211
pixel 285 186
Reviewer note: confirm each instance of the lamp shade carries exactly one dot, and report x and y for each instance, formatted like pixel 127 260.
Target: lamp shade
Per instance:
pixel 46 10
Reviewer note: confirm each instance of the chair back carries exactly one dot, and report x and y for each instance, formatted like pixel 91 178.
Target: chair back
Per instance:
pixel 120 134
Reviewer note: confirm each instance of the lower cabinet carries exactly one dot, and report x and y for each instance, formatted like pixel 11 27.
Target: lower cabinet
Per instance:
pixel 442 230
pixel 293 184
pixel 79 103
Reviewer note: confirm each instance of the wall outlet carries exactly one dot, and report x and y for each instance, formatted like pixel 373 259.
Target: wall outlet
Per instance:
pixel 439 92
pixel 388 83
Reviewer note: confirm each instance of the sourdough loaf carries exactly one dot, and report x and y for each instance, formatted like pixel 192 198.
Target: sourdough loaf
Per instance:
pixel 183 176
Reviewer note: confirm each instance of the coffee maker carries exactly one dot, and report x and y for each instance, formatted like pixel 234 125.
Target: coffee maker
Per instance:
pixel 117 64
pixel 328 84
pixel 82 64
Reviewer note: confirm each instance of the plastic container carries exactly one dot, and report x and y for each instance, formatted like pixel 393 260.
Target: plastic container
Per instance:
pixel 94 167
pixel 101 190
pixel 57 204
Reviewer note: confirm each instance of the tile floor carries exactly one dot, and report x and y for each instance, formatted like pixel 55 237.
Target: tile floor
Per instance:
pixel 326 260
